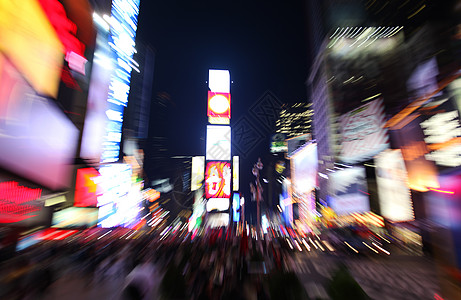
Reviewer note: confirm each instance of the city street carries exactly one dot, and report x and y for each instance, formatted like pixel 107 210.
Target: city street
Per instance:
pixel 399 277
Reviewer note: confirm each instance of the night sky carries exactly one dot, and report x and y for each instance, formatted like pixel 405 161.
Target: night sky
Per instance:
pixel 262 43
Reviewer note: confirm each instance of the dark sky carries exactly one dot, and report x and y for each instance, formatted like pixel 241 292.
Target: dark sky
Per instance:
pixel 262 43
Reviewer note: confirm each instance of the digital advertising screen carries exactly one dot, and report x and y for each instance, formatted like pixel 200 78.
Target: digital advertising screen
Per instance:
pixel 348 190
pixel 219 81
pixel 218 179
pixel 218 142
pixel 219 107
pixel 37 140
pixel 119 202
pixel 362 133
pixel 235 173
pixel 86 188
pixel 393 191
pixel 75 217
pixel 19 204
pixel 236 207
pixel 198 172
pixel 218 204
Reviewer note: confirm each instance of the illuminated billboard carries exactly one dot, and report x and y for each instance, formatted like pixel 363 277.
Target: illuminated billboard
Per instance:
pixel 218 179
pixel 119 202
pixel 123 24
pixel 31 44
pixel 37 140
pixel 86 188
pixel 236 207
pixel 18 203
pixel 218 142
pixel 218 204
pixel 348 190
pixel 394 194
pixel 198 172
pixel 75 217
pixel 235 173
pixel 219 81
pixel 219 105
pixel 362 133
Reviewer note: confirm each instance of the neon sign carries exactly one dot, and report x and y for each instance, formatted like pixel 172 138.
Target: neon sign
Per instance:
pixel 16 202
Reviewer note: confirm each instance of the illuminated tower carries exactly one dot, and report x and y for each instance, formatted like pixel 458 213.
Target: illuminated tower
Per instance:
pixel 218 166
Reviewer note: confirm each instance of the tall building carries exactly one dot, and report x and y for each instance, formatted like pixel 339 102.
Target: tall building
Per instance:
pixel 295 119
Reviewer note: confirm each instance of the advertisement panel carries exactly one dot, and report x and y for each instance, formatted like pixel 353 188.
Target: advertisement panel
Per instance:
pixel 392 181
pixel 37 140
pixel 219 105
pixel 235 173
pixel 236 207
pixel 348 190
pixel 218 204
pixel 74 217
pixel 362 133
pixel 198 172
pixel 19 203
pixel 120 200
pixel 218 142
pixel 218 180
pixel 31 44
pixel 219 81
pixel 278 143
pixel 86 188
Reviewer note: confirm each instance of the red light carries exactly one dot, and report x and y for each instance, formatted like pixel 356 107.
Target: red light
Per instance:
pixel 17 202
pixel 441 191
pixel 437 297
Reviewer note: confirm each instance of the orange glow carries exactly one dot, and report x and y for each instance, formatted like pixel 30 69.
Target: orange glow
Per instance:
pixel 218 105
pixel 31 43
pixel 441 191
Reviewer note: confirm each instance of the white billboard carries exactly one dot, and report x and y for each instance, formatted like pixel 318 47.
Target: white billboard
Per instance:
pixel 394 194
pixel 218 142
pixel 235 173
pixel 348 191
pixel 219 81
pixel 198 172
pixel 362 133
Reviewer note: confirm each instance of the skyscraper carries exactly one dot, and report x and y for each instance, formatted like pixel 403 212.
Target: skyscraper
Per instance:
pixel 295 119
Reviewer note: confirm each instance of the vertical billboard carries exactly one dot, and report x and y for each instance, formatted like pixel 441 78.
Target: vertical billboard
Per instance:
pixel 198 169
pixel 362 133
pixel 348 190
pixel 218 179
pixel 123 25
pixel 392 181
pixel 236 207
pixel 218 142
pixel 218 108
pixel 219 81
pixel 235 173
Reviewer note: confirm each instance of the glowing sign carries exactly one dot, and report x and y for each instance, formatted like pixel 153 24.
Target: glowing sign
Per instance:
pixel 218 180
pixel 392 180
pixel 218 204
pixel 75 217
pixel 362 132
pixel 218 142
pixel 86 189
pixel 218 105
pixel 30 42
pixel 123 24
pixel 219 81
pixel 198 172
pixel 17 202
pixel 235 173
pixel 236 207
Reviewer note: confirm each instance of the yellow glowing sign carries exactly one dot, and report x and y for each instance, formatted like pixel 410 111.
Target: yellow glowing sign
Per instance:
pixel 30 42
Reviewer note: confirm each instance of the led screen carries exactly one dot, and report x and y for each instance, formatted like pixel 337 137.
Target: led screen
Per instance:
pixel 120 200
pixel 19 203
pixel 75 217
pixel 198 169
pixel 362 133
pixel 394 194
pixel 219 105
pixel 31 44
pixel 348 191
pixel 86 188
pixel 235 173
pixel 236 207
pixel 218 179
pixel 219 81
pixel 218 204
pixel 37 140
pixel 218 142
